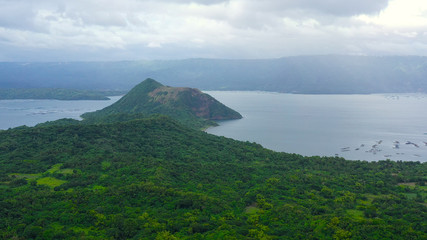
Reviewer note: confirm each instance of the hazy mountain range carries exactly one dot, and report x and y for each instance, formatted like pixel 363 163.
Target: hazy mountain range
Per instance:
pixel 304 74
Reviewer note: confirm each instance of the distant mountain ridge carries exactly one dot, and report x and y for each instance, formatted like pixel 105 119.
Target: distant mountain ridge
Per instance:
pixel 54 93
pixel 188 105
pixel 332 74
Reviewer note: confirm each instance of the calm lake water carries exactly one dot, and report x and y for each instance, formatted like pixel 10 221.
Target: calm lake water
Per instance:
pixel 14 113
pixel 356 127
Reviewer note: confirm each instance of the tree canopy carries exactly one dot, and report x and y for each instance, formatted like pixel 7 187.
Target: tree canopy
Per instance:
pixel 154 178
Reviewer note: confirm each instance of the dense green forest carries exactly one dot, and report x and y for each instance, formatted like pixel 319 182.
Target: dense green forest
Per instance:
pixel 154 178
pixel 56 93
pixel 303 74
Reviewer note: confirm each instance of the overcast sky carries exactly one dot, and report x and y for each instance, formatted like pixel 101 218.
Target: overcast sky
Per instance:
pixel 72 30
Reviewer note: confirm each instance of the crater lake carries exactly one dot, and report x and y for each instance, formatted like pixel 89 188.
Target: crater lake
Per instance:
pixel 19 112
pixel 356 127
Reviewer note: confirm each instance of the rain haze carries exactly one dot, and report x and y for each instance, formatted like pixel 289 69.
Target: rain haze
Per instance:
pixel 96 30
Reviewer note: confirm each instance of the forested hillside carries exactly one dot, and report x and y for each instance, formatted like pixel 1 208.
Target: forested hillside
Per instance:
pixel 187 105
pixel 156 179
pixel 304 74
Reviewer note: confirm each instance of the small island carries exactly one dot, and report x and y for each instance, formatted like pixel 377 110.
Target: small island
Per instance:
pixel 189 106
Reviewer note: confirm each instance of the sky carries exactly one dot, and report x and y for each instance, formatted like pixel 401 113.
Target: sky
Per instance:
pixel 111 30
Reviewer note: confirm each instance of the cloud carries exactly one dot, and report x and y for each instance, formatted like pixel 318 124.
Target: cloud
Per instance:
pixel 334 7
pixel 204 2
pixel 400 14
pixel 16 15
pixel 211 28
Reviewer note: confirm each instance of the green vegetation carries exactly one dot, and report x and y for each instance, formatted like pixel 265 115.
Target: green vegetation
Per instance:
pixel 50 182
pixel 54 93
pixel 189 106
pixel 155 178
pixel 57 169
pixel 25 176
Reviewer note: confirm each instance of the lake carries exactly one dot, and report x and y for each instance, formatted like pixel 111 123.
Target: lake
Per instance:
pixel 356 127
pixel 14 113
